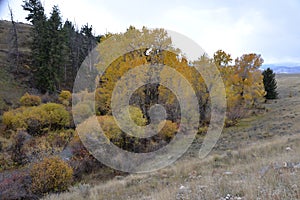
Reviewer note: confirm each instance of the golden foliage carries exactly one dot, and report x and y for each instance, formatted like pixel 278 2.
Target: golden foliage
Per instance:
pixel 168 131
pixel 37 119
pixel 30 100
pixel 65 97
pixel 51 174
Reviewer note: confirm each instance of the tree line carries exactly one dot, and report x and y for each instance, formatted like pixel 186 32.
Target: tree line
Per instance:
pixel 57 49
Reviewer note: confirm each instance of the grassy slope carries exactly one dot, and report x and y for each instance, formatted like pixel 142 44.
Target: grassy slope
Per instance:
pixel 247 162
pixel 11 88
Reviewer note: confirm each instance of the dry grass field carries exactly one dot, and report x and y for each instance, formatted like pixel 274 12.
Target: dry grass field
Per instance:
pixel 257 159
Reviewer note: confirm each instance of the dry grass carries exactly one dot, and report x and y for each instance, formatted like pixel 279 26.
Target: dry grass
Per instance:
pixel 249 173
pixel 247 163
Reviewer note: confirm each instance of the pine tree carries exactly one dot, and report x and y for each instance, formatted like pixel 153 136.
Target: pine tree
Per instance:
pixel 270 84
pixel 55 38
pixel 39 45
pixel 70 65
pixel 47 46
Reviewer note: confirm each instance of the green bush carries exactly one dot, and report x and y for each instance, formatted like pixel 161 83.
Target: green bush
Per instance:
pixel 30 100
pixel 51 175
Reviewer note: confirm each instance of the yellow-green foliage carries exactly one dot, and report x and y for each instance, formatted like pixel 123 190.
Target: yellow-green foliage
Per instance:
pixel 30 100
pixel 60 138
pixel 65 97
pixel 51 174
pixel 56 114
pixel 169 130
pixel 38 118
pixel 137 116
pixel 202 130
pixel 82 111
pixel 110 128
pixel 14 119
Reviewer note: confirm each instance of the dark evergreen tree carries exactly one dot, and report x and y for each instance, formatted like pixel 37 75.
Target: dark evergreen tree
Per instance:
pixel 40 45
pixel 270 84
pixel 47 46
pixel 70 64
pixel 57 50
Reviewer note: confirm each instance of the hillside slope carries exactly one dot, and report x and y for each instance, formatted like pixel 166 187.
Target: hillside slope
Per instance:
pixel 12 85
pixel 258 159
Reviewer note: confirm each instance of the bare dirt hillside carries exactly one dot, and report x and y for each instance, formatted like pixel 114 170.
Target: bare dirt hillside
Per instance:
pixel 257 159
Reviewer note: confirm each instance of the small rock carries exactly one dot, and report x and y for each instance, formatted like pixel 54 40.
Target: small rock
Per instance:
pixel 182 187
pixel 288 165
pixel 297 166
pixel 228 196
pixel 295 187
pixel 164 175
pixel 170 157
pixel 228 173
pixel 288 149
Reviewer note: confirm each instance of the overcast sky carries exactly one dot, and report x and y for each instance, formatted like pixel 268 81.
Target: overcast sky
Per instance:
pixel 268 27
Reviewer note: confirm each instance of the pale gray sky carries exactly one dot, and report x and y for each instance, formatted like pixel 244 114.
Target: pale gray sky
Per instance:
pixel 268 27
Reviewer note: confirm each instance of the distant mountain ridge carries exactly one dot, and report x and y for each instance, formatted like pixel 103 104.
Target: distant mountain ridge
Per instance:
pixel 283 69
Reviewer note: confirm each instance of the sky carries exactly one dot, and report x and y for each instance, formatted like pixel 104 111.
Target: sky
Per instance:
pixel 267 27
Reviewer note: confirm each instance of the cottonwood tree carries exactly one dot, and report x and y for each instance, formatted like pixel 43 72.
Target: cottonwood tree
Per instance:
pixel 222 59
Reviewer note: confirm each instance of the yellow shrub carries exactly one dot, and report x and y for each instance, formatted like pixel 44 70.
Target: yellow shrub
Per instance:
pixel 137 116
pixel 110 127
pixel 51 174
pixel 57 115
pixel 168 131
pixel 38 118
pixel 14 119
pixel 35 119
pixel 30 100
pixel 65 97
